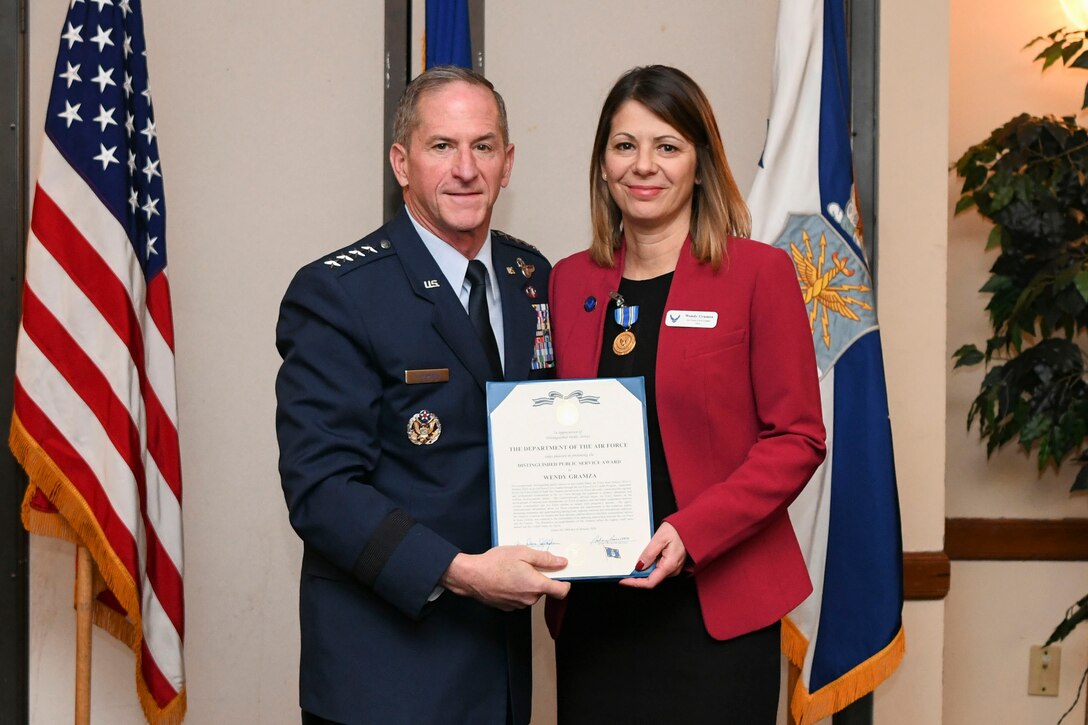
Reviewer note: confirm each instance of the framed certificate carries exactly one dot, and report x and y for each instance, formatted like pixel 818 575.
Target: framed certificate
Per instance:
pixel 570 472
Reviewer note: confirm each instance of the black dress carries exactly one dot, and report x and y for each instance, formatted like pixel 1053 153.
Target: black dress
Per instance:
pixel 644 656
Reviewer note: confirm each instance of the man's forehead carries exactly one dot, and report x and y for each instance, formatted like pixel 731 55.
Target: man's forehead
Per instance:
pixel 460 104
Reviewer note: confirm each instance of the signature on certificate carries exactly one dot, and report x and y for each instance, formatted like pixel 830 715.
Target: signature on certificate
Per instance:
pixel 610 540
pixel 542 544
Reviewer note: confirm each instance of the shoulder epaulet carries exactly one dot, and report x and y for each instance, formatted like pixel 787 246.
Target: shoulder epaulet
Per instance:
pixel 514 240
pixel 353 255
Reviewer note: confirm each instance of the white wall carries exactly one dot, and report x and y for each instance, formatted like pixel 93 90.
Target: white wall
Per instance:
pixel 911 301
pixel 270 130
pixel 997 610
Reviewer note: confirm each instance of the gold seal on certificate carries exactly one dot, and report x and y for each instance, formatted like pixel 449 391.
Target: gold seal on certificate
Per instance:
pixel 570 472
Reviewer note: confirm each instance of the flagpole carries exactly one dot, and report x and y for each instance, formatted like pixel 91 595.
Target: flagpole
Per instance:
pixel 84 604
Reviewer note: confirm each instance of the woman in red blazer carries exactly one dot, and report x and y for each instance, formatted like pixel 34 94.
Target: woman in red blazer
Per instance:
pixel 670 289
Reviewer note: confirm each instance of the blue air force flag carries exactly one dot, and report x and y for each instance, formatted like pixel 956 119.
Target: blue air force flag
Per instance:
pixel 448 40
pixel 847 637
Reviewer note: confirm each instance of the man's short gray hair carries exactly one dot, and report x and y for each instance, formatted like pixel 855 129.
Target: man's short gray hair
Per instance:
pixel 406 119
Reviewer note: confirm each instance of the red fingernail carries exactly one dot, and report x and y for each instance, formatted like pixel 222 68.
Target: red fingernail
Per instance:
pixel 639 566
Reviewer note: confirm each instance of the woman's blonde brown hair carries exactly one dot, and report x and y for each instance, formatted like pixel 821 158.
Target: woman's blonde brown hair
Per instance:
pixel 717 209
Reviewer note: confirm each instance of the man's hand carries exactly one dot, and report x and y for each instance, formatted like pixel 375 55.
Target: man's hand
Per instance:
pixel 505 577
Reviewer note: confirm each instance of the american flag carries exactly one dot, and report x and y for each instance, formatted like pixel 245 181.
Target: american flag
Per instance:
pixel 95 422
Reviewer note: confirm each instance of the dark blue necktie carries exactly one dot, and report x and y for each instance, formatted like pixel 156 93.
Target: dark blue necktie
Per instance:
pixel 481 319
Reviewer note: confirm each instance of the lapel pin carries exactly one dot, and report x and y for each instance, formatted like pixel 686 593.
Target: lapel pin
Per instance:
pixel 526 269
pixel 590 304
pixel 530 291
pixel 510 271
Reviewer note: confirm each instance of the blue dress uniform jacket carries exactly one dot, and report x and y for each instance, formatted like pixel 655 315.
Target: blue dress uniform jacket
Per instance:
pixel 381 518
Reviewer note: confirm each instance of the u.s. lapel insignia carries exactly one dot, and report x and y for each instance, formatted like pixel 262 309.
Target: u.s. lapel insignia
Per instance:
pixel 424 428
pixel 510 271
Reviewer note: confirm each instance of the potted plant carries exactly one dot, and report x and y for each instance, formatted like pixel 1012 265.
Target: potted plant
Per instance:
pixel 1030 179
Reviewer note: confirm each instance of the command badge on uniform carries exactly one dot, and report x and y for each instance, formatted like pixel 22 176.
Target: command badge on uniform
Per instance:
pixel 424 428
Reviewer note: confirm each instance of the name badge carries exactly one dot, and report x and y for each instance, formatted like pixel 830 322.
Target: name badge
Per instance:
pixel 691 318
pixel 430 375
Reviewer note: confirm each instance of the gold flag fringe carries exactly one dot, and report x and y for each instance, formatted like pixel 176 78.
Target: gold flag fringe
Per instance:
pixel 808 708
pixel 117 625
pixel 46 523
pixel 76 523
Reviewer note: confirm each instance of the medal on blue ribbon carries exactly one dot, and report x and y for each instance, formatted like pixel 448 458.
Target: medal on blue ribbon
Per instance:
pixel 625 316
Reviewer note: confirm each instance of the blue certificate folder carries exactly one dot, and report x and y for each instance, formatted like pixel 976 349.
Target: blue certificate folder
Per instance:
pixel 540 398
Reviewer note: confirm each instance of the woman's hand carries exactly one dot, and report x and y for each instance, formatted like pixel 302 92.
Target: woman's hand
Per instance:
pixel 667 551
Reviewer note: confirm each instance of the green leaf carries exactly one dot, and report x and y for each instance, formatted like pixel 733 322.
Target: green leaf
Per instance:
pixel 996 283
pixel 1066 277
pixel 1076 614
pixel 1043 454
pixel 1035 428
pixel 1081 282
pixel 1052 54
pixel 1015 338
pixel 994 239
pixel 974 178
pixel 1081 482
pixel 967 355
pixel 964 161
pixel 1055 48
pixel 1070 50
pixel 1002 198
pixel 1081 61
pixel 966 202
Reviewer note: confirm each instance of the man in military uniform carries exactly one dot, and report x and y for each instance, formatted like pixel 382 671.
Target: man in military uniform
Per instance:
pixel 407 614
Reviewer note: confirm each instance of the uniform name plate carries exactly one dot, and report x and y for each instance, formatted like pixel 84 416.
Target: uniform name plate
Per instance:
pixel 570 472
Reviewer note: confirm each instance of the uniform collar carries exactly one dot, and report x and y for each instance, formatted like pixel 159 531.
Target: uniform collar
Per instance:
pixel 453 264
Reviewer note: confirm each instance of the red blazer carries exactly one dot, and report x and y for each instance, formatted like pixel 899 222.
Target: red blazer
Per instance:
pixel 739 410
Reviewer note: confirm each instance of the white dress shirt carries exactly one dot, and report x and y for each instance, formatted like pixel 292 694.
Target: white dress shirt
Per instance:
pixel 454 266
